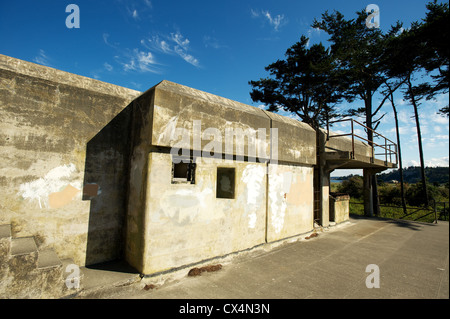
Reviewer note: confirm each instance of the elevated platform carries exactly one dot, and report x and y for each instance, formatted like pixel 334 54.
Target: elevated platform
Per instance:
pixel 346 160
pixel 353 151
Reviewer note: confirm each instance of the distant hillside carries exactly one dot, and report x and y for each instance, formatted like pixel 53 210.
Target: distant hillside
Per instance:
pixel 412 175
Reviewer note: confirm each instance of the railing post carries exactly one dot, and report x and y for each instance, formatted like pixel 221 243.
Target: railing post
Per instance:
pixel 385 149
pixel 353 140
pixel 396 154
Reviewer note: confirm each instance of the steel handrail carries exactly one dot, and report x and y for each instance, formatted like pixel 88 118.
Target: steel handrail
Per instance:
pixel 387 147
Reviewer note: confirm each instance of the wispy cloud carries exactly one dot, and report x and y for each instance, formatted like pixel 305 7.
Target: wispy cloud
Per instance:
pixel 106 41
pixel 434 162
pixel 173 44
pixel 140 61
pixel 131 60
pixel 42 58
pixel 138 8
pixel 148 3
pixel 312 33
pixel 211 42
pixel 108 66
pixel 275 21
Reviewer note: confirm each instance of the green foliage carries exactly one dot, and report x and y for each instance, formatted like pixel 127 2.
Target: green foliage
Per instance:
pixel 352 186
pixel 304 84
pixel 390 194
pixel 435 32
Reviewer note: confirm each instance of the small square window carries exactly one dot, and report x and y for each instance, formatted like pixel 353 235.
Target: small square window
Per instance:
pixel 183 170
pixel 225 182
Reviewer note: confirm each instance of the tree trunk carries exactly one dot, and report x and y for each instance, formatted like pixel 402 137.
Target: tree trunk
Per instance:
pixel 419 137
pixel 399 152
pixel 373 181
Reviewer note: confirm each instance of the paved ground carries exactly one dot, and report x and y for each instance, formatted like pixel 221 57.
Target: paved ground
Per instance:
pixel 412 259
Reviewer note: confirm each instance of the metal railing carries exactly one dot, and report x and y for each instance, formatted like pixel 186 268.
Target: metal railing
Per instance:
pixel 389 147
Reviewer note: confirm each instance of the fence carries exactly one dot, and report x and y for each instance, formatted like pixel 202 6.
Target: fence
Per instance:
pixel 432 213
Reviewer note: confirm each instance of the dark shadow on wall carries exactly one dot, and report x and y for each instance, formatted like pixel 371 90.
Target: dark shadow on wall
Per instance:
pixel 105 186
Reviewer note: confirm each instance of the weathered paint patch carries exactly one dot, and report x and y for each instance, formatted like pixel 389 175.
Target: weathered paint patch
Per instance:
pixel 253 177
pixel 91 190
pixel 181 206
pixel 168 132
pixel 60 199
pixel 55 181
pixel 279 186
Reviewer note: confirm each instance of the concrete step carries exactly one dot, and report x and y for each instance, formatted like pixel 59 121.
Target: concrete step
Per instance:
pixel 22 265
pixel 23 246
pixel 26 272
pixel 23 255
pixel 48 259
pixel 50 277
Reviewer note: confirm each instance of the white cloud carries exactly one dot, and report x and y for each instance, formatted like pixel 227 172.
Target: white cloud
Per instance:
pixel 140 61
pixel 311 33
pixel 105 39
pixel 443 161
pixel 435 118
pixel 254 13
pixel 135 14
pixel 108 66
pixel 174 44
pixel 180 40
pixel 405 117
pixel 186 57
pixel 42 58
pixel 433 162
pixel 275 21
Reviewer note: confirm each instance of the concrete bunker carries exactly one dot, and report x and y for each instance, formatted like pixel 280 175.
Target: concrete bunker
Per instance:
pixel 164 178
pixel 252 184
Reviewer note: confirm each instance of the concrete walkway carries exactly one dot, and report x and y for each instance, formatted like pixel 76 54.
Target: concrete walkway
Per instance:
pixel 412 259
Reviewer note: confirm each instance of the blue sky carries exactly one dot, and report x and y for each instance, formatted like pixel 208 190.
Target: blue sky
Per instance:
pixel 214 46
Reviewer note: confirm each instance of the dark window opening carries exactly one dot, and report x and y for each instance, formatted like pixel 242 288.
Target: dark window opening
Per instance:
pixel 183 170
pixel 225 186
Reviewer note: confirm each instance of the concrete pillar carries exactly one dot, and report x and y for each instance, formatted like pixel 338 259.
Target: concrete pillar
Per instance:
pixel 325 172
pixel 367 192
pixel 325 198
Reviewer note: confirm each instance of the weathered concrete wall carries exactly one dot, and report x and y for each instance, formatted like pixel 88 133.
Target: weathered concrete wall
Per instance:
pixel 290 205
pixel 186 223
pixel 62 166
pixel 344 143
pixel 177 107
pixel 296 140
pixel 171 225
pixel 140 137
pixel 86 168
pixel 339 208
